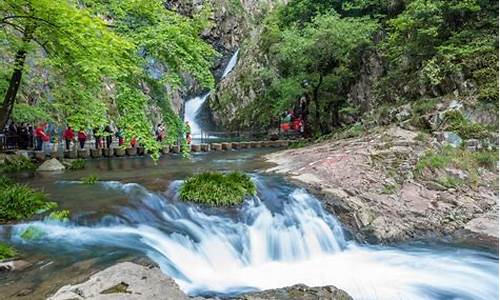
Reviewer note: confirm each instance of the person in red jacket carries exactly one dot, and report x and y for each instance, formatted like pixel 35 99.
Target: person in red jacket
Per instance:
pixel 82 138
pixel 68 136
pixel 41 136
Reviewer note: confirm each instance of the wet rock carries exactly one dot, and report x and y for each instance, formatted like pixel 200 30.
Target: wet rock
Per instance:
pixel 14 265
pixel 298 292
pixel 51 165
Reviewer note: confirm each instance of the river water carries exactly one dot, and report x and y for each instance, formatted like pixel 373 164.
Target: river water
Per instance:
pixel 279 238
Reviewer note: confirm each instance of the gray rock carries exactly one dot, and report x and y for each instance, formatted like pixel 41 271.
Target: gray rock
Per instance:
pixel 123 281
pixel 449 138
pixel 298 292
pixel 14 265
pixel 51 165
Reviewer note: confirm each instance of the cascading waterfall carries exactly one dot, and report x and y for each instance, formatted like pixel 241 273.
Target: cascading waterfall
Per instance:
pixel 232 63
pixel 192 109
pixel 193 106
pixel 279 238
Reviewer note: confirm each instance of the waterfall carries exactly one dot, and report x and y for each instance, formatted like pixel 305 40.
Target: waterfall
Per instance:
pixel 192 109
pixel 277 239
pixel 232 63
pixel 193 106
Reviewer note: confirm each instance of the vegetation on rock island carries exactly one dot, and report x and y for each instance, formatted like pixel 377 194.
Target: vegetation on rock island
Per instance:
pixel 18 201
pixel 218 189
pixel 14 164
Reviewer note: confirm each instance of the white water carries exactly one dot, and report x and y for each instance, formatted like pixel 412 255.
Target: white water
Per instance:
pixel 273 244
pixel 193 107
pixel 232 63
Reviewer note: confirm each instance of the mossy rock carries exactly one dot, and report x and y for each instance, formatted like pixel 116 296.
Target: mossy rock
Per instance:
pixel 32 233
pixel 217 189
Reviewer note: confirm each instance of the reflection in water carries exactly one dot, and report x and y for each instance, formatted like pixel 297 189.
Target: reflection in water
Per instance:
pixel 282 237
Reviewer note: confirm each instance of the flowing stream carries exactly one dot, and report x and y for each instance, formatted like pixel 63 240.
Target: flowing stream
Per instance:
pixel 279 238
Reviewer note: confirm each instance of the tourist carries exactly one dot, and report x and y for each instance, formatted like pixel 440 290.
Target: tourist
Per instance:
pixel 68 136
pixel 109 136
pixel 31 136
pixel 188 132
pixel 41 137
pixel 119 136
pixel 133 142
pixel 24 137
pixel 82 138
pixel 160 132
pixel 97 138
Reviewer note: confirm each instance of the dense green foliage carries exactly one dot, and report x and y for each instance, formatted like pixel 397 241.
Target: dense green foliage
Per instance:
pixel 89 61
pixel 6 251
pixel 319 49
pixel 17 164
pixel 217 189
pixel 19 201
pixel 32 233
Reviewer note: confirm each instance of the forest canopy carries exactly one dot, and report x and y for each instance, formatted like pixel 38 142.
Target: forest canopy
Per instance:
pixel 84 63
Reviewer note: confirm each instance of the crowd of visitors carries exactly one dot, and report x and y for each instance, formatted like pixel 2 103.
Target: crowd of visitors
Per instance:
pixel 43 137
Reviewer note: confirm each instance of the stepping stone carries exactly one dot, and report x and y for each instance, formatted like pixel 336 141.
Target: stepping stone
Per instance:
pixel 216 147
pixel 119 152
pixel 227 146
pixel 131 151
pixel 83 153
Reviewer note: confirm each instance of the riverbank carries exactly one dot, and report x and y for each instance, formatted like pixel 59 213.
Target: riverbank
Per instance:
pixel 382 192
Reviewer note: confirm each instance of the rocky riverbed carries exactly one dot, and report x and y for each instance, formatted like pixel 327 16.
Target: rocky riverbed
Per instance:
pixel 133 281
pixel 371 183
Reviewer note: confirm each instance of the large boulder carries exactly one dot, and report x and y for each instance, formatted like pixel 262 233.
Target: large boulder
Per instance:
pixel 298 292
pixel 123 281
pixel 51 165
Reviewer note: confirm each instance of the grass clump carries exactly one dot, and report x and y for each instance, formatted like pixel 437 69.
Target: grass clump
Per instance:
pixel 91 179
pixel 77 164
pixel 17 164
pixel 60 215
pixel 424 106
pixel 449 157
pixel 466 129
pixel 6 251
pixel 19 201
pixel 217 189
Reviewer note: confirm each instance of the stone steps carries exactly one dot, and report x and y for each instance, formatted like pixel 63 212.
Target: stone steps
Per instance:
pixel 138 151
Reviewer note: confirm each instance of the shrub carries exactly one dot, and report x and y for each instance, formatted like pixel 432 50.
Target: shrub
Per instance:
pixel 91 179
pixel 458 123
pixel 6 251
pixel 20 163
pixel 217 189
pixel 424 106
pixel 19 201
pixel 77 164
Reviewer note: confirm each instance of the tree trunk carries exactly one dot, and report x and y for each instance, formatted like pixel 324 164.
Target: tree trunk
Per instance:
pixel 15 81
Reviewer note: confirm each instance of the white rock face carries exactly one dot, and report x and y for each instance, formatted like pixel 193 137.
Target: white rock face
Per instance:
pixel 51 165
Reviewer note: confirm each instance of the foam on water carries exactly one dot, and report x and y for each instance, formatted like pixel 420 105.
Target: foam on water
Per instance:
pixel 263 246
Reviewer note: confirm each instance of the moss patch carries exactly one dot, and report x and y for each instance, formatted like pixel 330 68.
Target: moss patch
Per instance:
pixel 120 288
pixel 217 189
